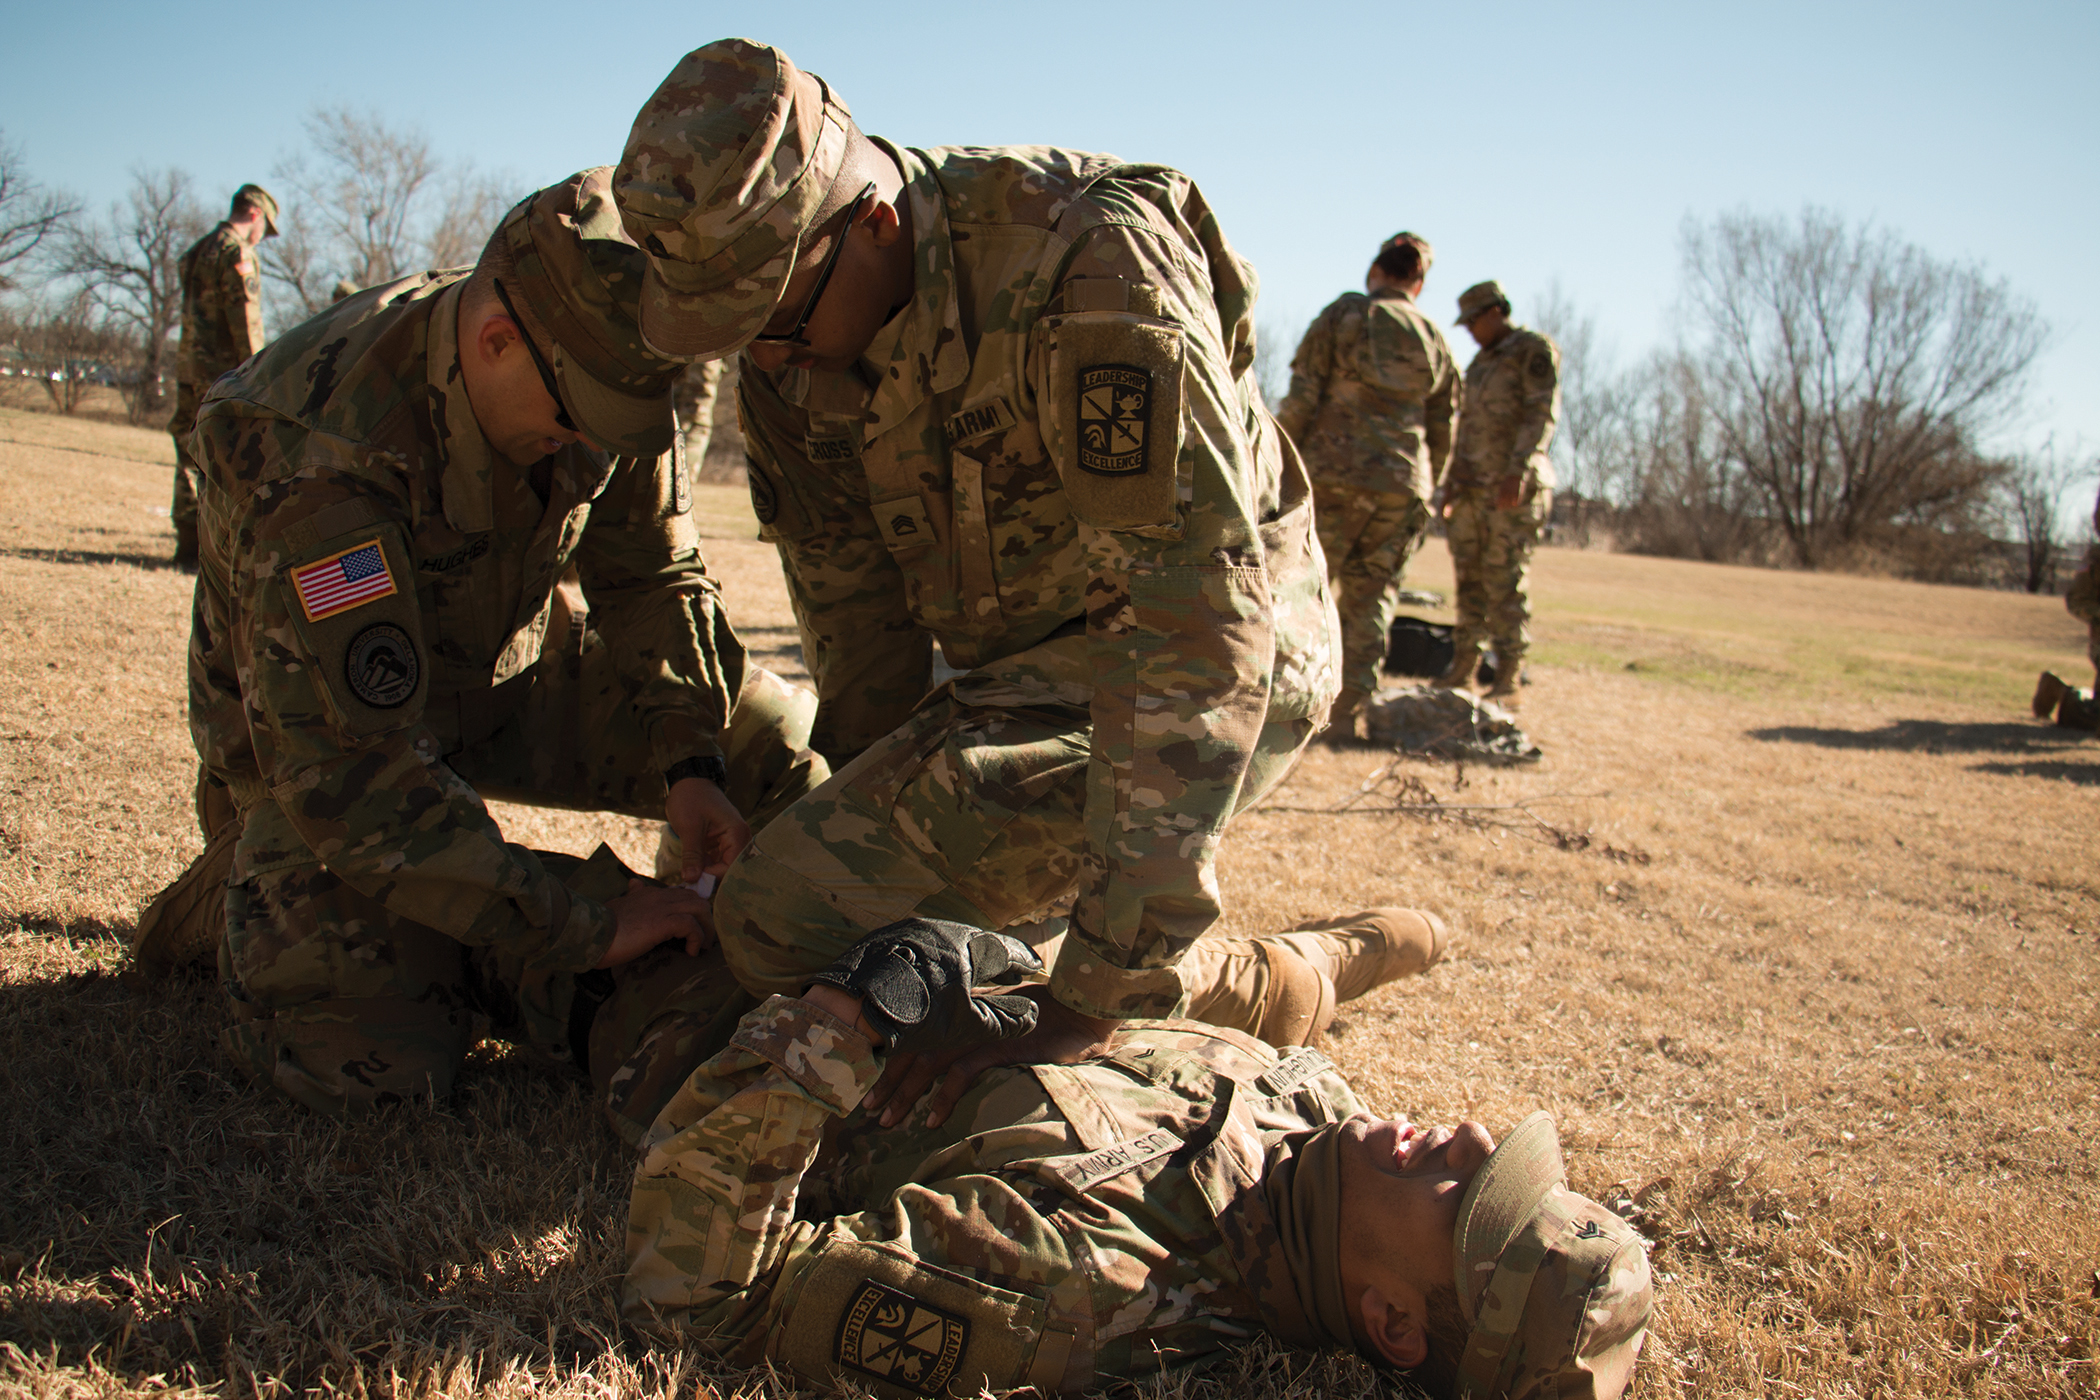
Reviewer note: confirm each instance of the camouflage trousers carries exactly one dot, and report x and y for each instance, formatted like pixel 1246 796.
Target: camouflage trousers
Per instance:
pixel 693 401
pixel 972 810
pixel 342 1003
pixel 1368 537
pixel 182 510
pixel 1491 555
pixel 2082 601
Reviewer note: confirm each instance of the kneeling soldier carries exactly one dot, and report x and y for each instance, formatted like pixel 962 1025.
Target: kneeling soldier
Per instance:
pixel 448 554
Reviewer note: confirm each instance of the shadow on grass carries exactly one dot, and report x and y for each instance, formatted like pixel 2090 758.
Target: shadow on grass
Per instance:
pixel 164 1218
pixel 94 556
pixel 2082 774
pixel 1932 736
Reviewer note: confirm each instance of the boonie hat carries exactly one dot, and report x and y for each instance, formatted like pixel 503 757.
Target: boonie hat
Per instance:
pixel 1555 1286
pixel 581 276
pixel 1478 298
pixel 263 200
pixel 726 168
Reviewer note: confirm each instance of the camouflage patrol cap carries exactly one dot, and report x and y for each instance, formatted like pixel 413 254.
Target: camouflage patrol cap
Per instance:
pixel 1479 297
pixel 261 199
pixel 344 287
pixel 581 276
pixel 1554 1285
pixel 724 173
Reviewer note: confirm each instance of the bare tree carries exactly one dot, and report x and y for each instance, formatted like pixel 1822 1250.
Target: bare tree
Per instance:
pixel 371 203
pixel 29 215
pixel 1851 375
pixel 131 267
pixel 1686 497
pixel 1592 450
pixel 69 345
pixel 1273 348
pixel 2034 486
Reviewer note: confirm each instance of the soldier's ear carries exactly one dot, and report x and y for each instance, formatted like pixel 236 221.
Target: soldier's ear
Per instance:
pixel 1396 1330
pixel 881 221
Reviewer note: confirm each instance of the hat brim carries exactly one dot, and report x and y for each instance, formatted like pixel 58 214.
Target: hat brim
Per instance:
pixel 711 324
pixel 625 421
pixel 1503 1196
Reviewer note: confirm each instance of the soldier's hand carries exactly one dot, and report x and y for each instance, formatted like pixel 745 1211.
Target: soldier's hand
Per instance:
pixel 1061 1036
pixel 1510 494
pixel 914 980
pixel 649 914
pixel 712 834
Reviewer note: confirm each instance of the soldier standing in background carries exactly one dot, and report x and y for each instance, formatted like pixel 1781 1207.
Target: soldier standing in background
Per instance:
pixel 1002 400
pixel 221 326
pixel 2075 708
pixel 1374 388
pixel 1500 490
pixel 694 402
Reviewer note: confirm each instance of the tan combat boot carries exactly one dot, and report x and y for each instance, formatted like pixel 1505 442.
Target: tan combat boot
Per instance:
pixel 1341 720
pixel 1284 987
pixel 2047 692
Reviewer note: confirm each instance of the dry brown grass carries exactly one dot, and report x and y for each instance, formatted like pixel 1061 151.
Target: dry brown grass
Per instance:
pixel 1834 1044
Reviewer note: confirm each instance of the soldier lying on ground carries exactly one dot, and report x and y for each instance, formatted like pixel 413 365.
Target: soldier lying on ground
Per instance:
pixel 394 494
pixel 1070 1225
pixel 1002 400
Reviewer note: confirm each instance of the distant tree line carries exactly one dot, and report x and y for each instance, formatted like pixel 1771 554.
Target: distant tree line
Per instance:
pixel 1831 402
pixel 87 301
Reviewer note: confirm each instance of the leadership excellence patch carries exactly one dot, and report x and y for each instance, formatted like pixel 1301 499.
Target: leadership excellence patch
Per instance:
pixel 899 1339
pixel 343 581
pixel 1115 406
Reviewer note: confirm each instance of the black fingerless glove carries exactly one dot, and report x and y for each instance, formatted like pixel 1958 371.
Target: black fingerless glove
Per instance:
pixel 914 977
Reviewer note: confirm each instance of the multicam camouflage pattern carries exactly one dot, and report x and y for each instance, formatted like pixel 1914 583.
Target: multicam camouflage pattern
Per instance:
pixel 1512 401
pixel 367 855
pixel 221 326
pixel 1158 624
pixel 1491 551
pixel 1067 1225
pixel 724 171
pixel 1374 390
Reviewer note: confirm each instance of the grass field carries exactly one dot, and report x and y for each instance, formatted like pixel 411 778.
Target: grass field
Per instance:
pixel 1815 1002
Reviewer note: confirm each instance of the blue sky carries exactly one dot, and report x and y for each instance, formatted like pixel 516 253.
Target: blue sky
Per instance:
pixel 1531 142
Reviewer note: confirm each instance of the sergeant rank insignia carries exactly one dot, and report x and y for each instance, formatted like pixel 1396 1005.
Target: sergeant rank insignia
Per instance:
pixel 1115 403
pixel 897 1338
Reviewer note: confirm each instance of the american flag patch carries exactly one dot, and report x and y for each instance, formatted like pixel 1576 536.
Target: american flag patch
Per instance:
pixel 343 581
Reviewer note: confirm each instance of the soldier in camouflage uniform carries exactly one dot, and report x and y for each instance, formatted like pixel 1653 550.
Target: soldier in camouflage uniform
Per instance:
pixel 1374 388
pixel 1002 401
pixel 221 326
pixel 694 401
pixel 1500 491
pixel 2072 707
pixel 443 563
pixel 1075 1225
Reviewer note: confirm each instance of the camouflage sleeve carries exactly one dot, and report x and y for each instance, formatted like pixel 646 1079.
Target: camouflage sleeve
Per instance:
pixel 870 661
pixel 240 303
pixel 712 1210
pixel 1539 409
pixel 1311 366
pixel 945 1288
pixel 355 771
pixel 1180 622
pixel 1440 411
pixel 659 612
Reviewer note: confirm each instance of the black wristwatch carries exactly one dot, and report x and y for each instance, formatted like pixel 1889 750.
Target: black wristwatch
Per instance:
pixel 713 768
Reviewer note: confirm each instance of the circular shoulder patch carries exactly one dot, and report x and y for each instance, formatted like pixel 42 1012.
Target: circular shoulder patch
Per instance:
pixel 1542 365
pixel 765 503
pixel 381 666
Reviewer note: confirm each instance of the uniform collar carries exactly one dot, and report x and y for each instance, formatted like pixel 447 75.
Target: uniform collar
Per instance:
pixel 920 351
pixel 470 461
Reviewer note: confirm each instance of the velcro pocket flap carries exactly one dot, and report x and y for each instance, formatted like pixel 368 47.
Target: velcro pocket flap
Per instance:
pixel 1112 417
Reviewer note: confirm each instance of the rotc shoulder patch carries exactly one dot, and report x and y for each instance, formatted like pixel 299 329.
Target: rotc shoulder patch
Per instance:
pixel 1115 406
pixel 1542 366
pixel 342 581
pixel 381 666
pixel 895 1337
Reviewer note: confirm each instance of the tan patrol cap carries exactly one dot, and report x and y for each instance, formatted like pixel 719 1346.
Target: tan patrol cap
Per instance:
pixel 726 168
pixel 263 200
pixel 581 276
pixel 1555 1285
pixel 1478 298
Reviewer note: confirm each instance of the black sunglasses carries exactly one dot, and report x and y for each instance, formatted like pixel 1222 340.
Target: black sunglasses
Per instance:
pixel 816 293
pixel 561 414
